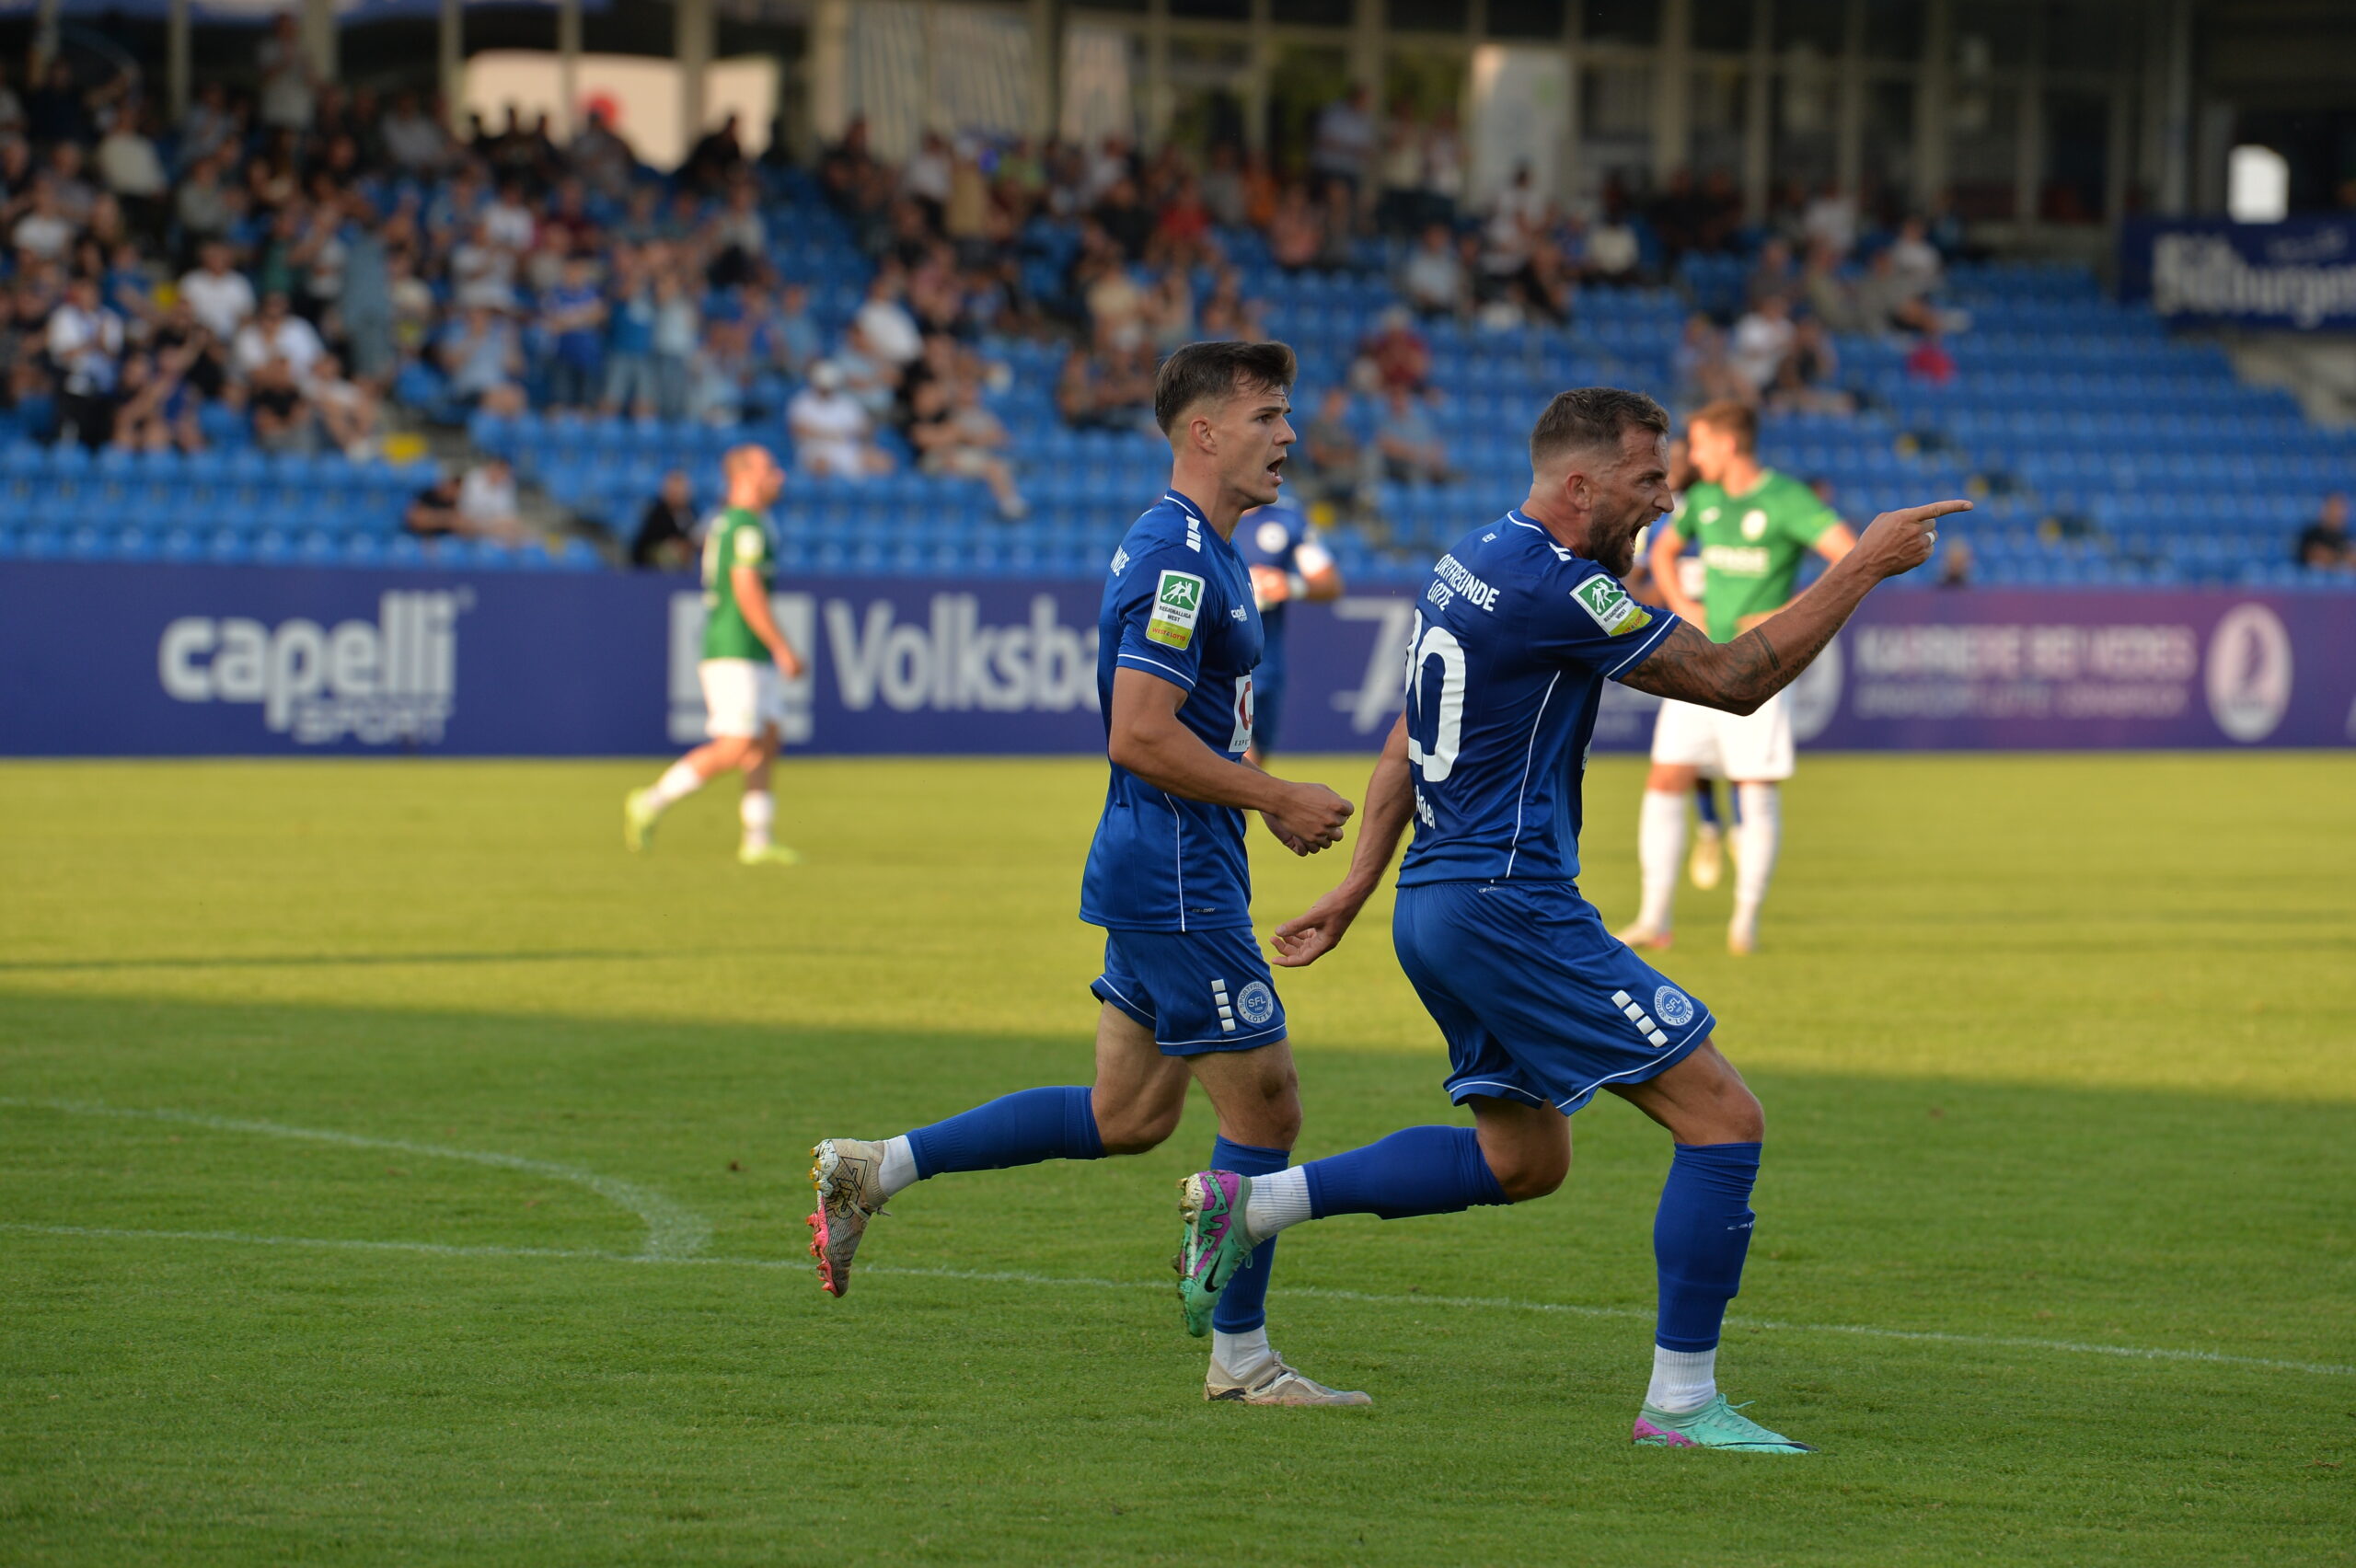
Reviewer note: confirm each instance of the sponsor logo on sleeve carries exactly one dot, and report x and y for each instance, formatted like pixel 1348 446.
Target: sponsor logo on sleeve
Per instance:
pixel 1608 605
pixel 1177 606
pixel 750 545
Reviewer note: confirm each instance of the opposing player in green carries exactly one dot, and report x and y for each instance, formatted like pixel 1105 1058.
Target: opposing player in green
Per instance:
pixel 1755 527
pixel 745 662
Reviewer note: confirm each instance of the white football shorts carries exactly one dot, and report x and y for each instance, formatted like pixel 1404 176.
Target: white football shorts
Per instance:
pixel 741 697
pixel 1753 750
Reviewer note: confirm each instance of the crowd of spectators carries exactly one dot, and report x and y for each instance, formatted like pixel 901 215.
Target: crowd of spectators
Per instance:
pixel 289 266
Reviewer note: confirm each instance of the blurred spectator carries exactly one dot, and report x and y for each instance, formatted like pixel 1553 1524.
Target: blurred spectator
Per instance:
pixel 1109 390
pixel 289 85
pixel 283 418
pixel 1888 301
pixel 487 502
pixel 831 431
pixel 483 359
pixel 157 411
pixel 1771 273
pixel 1409 441
pixel 791 336
pixel 1825 292
pixel 677 332
pixel 955 434
pixel 1613 253
pixel 1336 456
pixel 414 139
pixel 573 316
pixel 1916 260
pixel 1344 141
pixel 2324 543
pixel 1703 375
pixel 85 343
pixel 1930 362
pixel 1296 234
pixel 45 232
pixel 885 323
pixel 1831 220
pixel 1809 379
pixel 276 333
pixel 1433 278
pixel 1761 339
pixel 1397 352
pixel 433 510
pixel 1954 564
pixel 128 162
pixel 666 540
pixel 630 337
pixel 347 410
pixel 721 375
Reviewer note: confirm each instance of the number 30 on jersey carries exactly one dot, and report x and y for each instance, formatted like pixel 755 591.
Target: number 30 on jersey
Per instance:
pixel 1435 707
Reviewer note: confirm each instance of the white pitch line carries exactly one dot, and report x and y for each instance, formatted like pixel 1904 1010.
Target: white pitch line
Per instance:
pixel 1067 1282
pixel 671 1231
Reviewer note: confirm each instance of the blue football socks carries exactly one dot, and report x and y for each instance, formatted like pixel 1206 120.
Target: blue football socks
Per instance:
pixel 1414 1171
pixel 1243 1305
pixel 1700 1236
pixel 1015 1129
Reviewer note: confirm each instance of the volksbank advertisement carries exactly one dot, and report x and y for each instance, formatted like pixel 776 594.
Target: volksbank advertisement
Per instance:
pixel 117 660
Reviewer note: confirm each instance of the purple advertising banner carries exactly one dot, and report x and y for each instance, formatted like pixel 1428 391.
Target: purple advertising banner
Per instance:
pixel 118 660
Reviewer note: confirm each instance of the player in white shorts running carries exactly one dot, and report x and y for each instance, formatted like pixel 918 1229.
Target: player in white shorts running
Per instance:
pixel 745 662
pixel 1755 526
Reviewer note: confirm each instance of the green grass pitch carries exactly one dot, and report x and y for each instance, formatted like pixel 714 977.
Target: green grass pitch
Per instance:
pixel 394 1171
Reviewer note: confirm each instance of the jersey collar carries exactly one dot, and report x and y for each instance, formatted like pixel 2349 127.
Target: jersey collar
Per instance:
pixel 1187 506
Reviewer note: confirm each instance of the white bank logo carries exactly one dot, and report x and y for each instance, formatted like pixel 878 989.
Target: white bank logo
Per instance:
pixel 393 682
pixel 2247 672
pixel 949 663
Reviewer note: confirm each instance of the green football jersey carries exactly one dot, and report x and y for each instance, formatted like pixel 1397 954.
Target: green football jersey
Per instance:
pixel 736 537
pixel 1751 545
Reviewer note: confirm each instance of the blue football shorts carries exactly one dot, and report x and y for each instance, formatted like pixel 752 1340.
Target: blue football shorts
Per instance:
pixel 1539 1002
pixel 1198 991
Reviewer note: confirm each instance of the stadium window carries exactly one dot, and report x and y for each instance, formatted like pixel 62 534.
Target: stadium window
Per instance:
pixel 1894 30
pixel 1821 24
pixel 1428 15
pixel 1988 34
pixel 2080 36
pixel 1619 21
pixel 1889 137
pixel 2077 156
pixel 1312 13
pixel 2258 185
pixel 1982 162
pixel 1722 26
pixel 1525 18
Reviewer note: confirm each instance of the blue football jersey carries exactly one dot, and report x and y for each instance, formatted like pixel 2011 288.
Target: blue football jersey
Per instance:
pixel 1178 606
pixel 1514 638
pixel 1278 535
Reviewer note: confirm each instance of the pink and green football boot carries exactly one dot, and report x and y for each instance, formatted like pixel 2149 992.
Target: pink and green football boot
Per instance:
pixel 1716 1425
pixel 1214 1244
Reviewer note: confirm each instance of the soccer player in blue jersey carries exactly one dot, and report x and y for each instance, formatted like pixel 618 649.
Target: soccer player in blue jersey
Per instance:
pixel 1289 565
pixel 1519 626
pixel 1185 992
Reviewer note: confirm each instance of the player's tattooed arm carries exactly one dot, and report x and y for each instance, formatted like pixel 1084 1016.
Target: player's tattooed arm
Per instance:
pixel 1739 676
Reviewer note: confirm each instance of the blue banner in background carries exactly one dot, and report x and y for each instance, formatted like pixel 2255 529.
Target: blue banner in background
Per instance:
pixel 120 660
pixel 2299 273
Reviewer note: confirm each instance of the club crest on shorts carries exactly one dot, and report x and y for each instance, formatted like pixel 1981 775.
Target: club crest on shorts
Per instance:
pixel 1256 1003
pixel 1672 1006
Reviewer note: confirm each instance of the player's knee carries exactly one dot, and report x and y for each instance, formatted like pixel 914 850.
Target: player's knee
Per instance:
pixel 1526 1174
pixel 1739 1116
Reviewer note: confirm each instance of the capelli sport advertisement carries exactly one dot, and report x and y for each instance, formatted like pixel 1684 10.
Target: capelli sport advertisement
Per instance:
pixel 117 660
